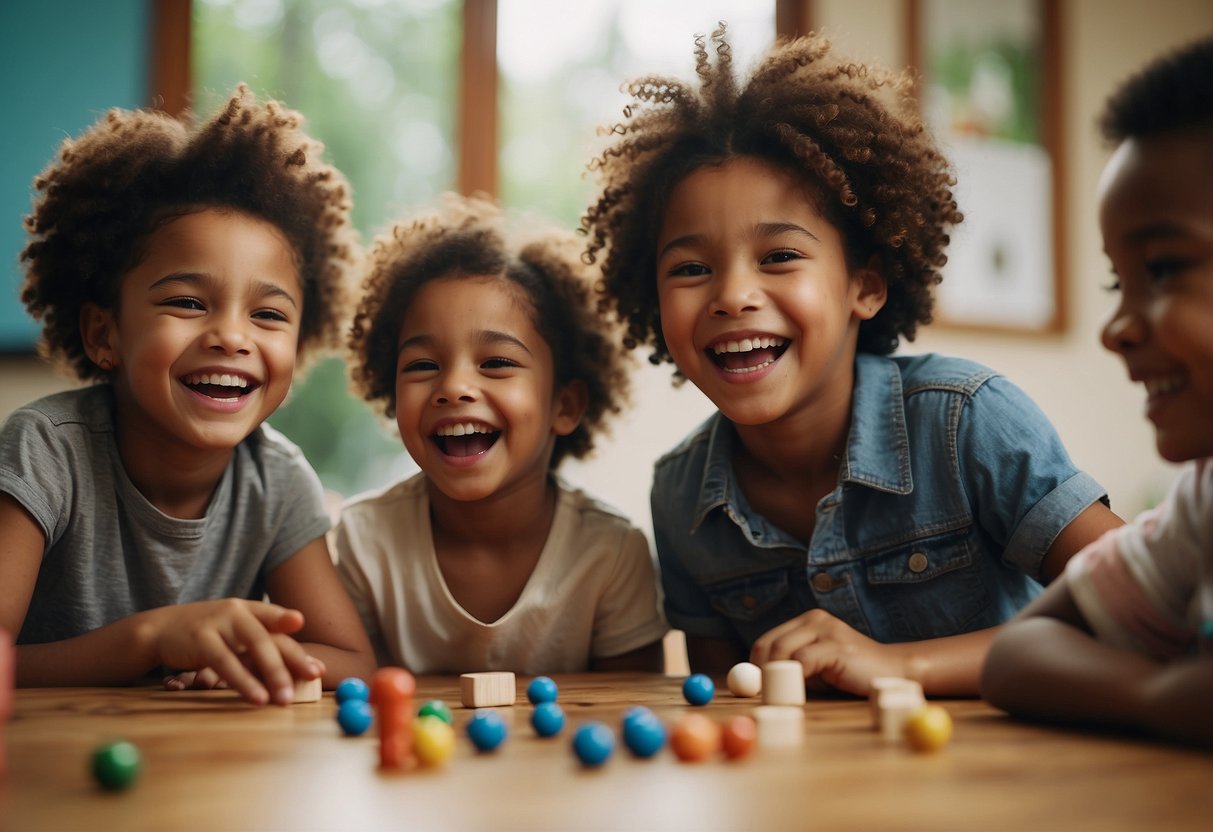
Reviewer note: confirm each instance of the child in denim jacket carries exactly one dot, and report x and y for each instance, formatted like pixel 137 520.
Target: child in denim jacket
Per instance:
pixel 1125 637
pixel 866 514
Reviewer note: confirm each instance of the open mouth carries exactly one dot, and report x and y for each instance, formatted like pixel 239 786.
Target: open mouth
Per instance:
pixel 465 438
pixel 748 354
pixel 221 386
pixel 1162 385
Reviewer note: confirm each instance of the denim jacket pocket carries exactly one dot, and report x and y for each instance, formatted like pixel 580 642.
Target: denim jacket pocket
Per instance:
pixel 755 603
pixel 927 588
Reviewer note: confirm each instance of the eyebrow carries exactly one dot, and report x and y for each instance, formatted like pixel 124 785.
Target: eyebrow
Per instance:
pixel 771 229
pixel 1163 230
pixel 486 337
pixel 764 229
pixel 261 289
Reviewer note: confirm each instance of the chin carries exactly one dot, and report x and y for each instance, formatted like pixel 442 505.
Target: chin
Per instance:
pixel 751 416
pixel 1177 450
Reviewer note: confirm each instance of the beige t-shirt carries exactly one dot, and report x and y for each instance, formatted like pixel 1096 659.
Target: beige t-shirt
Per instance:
pixel 594 591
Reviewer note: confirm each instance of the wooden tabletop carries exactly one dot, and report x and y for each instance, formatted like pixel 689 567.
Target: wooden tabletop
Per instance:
pixel 212 763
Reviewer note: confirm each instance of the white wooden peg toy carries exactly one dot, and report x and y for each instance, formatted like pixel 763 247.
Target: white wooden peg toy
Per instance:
pixel 783 683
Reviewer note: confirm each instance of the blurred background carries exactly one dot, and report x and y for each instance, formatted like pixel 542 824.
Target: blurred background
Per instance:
pixel 415 97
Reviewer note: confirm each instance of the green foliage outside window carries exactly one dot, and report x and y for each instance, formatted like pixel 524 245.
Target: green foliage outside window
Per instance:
pixel 376 83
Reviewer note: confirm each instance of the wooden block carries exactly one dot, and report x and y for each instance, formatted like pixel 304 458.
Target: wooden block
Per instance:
pixel 779 726
pixel 883 683
pixel 783 683
pixel 487 690
pixel 896 705
pixel 307 690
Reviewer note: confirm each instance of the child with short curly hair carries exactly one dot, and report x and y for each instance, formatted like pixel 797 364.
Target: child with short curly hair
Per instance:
pixel 183 267
pixel 485 349
pixel 867 514
pixel 1124 639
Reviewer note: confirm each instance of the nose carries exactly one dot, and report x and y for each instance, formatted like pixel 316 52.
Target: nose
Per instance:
pixel 229 335
pixel 1126 329
pixel 454 386
pixel 737 291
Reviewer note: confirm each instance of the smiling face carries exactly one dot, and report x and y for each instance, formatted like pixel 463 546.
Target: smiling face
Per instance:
pixel 758 306
pixel 1156 215
pixel 475 398
pixel 204 333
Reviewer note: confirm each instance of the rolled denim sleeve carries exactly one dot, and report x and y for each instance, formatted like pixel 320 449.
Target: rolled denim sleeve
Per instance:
pixel 1021 482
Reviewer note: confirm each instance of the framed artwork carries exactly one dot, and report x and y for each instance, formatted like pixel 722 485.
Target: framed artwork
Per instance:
pixel 989 90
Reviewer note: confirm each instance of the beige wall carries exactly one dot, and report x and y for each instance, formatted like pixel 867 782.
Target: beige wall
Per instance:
pixel 1082 388
pixel 1079 385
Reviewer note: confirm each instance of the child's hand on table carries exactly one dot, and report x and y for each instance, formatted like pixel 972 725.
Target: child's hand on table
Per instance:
pixel 244 645
pixel 833 653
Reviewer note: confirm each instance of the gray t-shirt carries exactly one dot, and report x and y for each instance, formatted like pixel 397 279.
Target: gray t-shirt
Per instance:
pixel 110 553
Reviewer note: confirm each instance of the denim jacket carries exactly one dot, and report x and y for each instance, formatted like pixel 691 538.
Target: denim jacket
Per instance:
pixel 952 488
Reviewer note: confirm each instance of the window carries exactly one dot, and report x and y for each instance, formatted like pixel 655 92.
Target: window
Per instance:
pixel 406 95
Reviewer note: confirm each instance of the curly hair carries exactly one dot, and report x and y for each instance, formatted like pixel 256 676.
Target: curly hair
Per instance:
pixel 466 237
pixel 851 133
pixel 130 173
pixel 1172 92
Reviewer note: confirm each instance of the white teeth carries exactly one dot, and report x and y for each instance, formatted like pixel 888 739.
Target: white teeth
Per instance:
pixel 221 379
pixel 463 429
pixel 748 344
pixel 1164 384
pixel 754 369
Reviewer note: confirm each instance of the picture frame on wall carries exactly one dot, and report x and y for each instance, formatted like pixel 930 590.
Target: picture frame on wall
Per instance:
pixel 989 88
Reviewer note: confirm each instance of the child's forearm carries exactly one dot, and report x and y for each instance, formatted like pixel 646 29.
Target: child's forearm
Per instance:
pixel 341 663
pixel 1179 701
pixel 949 666
pixel 118 653
pixel 1046 668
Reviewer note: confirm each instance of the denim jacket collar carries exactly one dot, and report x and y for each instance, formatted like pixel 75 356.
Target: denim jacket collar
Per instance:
pixel 877 452
pixel 878 446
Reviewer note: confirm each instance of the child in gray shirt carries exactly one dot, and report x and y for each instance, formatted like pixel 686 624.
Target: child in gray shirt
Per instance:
pixel 182 268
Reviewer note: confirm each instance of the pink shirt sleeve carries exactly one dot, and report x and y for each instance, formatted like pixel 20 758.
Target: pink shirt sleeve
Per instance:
pixel 1146 585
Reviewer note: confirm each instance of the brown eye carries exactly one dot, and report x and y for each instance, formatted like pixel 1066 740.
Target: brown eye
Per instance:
pixel 421 365
pixel 498 363
pixel 689 270
pixel 781 256
pixel 1165 268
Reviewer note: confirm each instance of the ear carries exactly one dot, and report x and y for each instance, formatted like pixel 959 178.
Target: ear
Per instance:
pixel 99 332
pixel 570 405
pixel 871 289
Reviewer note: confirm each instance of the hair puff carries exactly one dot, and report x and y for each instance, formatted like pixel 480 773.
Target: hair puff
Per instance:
pixel 111 187
pixel 850 132
pixel 467 237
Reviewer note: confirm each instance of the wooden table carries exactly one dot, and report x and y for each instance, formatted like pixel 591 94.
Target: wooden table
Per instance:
pixel 212 763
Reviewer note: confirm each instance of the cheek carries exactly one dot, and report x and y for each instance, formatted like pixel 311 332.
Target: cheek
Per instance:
pixel 1185 329
pixel 152 348
pixel 287 358
pixel 528 406
pixel 677 317
pixel 408 420
pixel 408 397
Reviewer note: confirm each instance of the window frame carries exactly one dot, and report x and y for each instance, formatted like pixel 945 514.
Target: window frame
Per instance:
pixel 170 82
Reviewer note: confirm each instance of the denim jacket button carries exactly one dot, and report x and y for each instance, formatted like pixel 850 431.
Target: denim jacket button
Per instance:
pixel 822 582
pixel 749 602
pixel 918 562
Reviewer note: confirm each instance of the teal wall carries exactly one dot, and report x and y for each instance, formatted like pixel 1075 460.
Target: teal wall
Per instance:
pixel 63 64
